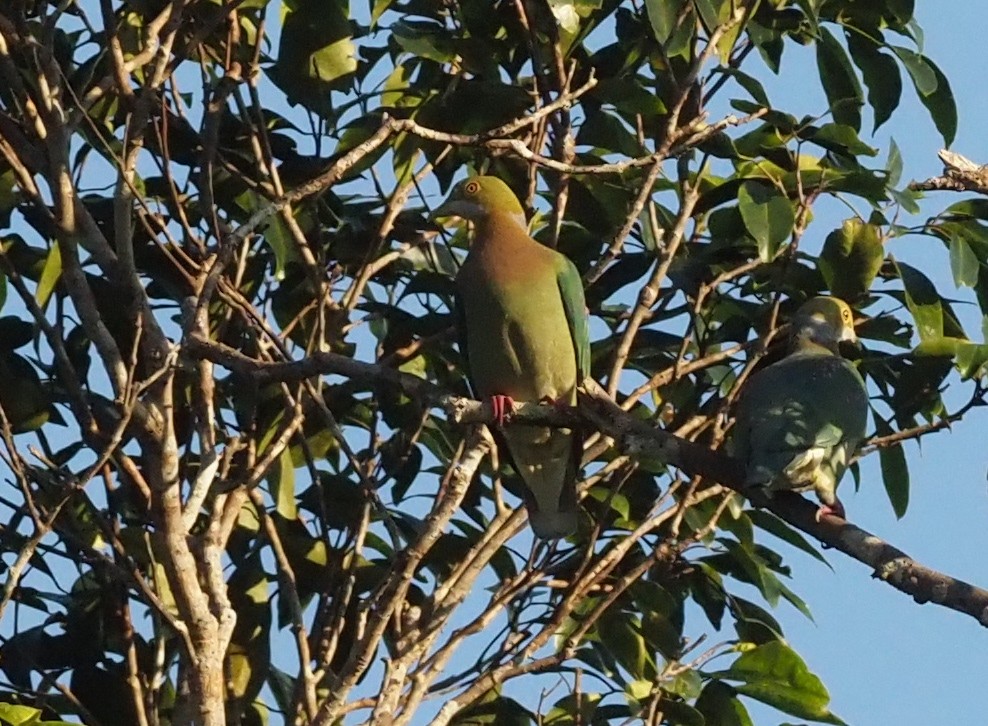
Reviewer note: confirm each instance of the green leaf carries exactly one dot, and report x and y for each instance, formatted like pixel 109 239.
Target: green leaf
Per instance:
pixel 970 359
pixel 895 471
pixel 894 164
pixel 678 713
pixel 720 706
pixel 14 333
pixel 964 263
pixel 276 234
pixel 283 479
pixel 773 525
pixel 315 53
pixel 573 709
pixel 922 75
pixel 18 715
pixel 754 623
pixel 749 83
pixel 662 618
pixel 605 131
pixel 622 637
pixel 425 40
pixel 839 82
pixel 851 258
pixel 880 74
pixel 493 709
pixel 380 7
pixel 773 673
pixel 50 275
pixel 842 139
pixel 662 16
pixel 25 400
pixel 767 215
pixel 934 91
pixel 922 300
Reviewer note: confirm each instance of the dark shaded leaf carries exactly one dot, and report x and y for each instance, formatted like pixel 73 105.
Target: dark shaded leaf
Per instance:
pixel 895 471
pixel 839 82
pixel 880 73
pixel 720 706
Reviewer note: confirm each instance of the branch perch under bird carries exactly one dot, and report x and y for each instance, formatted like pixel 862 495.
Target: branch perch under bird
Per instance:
pixel 635 437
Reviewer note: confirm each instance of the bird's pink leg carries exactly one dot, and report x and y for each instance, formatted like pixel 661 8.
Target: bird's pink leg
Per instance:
pixel 503 407
pixel 836 510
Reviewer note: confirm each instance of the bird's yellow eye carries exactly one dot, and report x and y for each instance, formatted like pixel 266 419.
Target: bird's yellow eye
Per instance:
pixel 846 314
pixel 472 188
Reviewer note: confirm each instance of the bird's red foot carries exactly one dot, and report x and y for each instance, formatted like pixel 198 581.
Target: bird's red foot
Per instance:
pixel 503 407
pixel 835 510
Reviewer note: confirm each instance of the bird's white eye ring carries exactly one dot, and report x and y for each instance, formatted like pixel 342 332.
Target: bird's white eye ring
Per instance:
pixel 472 187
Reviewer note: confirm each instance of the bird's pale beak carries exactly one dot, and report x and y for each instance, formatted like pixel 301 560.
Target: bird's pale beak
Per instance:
pixel 449 208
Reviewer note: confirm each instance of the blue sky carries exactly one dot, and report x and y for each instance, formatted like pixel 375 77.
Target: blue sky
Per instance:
pixel 886 659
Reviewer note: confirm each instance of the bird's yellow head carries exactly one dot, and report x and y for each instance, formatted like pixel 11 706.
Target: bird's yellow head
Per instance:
pixel 478 197
pixel 824 320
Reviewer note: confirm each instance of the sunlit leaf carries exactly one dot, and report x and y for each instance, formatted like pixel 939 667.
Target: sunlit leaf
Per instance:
pixel 774 674
pixel 768 216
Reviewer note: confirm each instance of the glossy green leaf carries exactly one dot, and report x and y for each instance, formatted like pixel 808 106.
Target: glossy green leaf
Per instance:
pixel 19 715
pixel 842 139
pixel 425 40
pixel 851 258
pixel 768 217
pixel 773 673
pixel 284 485
pixel 970 359
pixel 923 301
pixel 964 263
pixel 50 275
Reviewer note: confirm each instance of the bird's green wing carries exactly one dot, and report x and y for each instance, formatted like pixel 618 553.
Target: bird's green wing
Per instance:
pixel 460 322
pixel 798 404
pixel 575 306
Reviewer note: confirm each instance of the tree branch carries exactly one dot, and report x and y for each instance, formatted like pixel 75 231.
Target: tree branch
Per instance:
pixel 960 174
pixel 636 437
